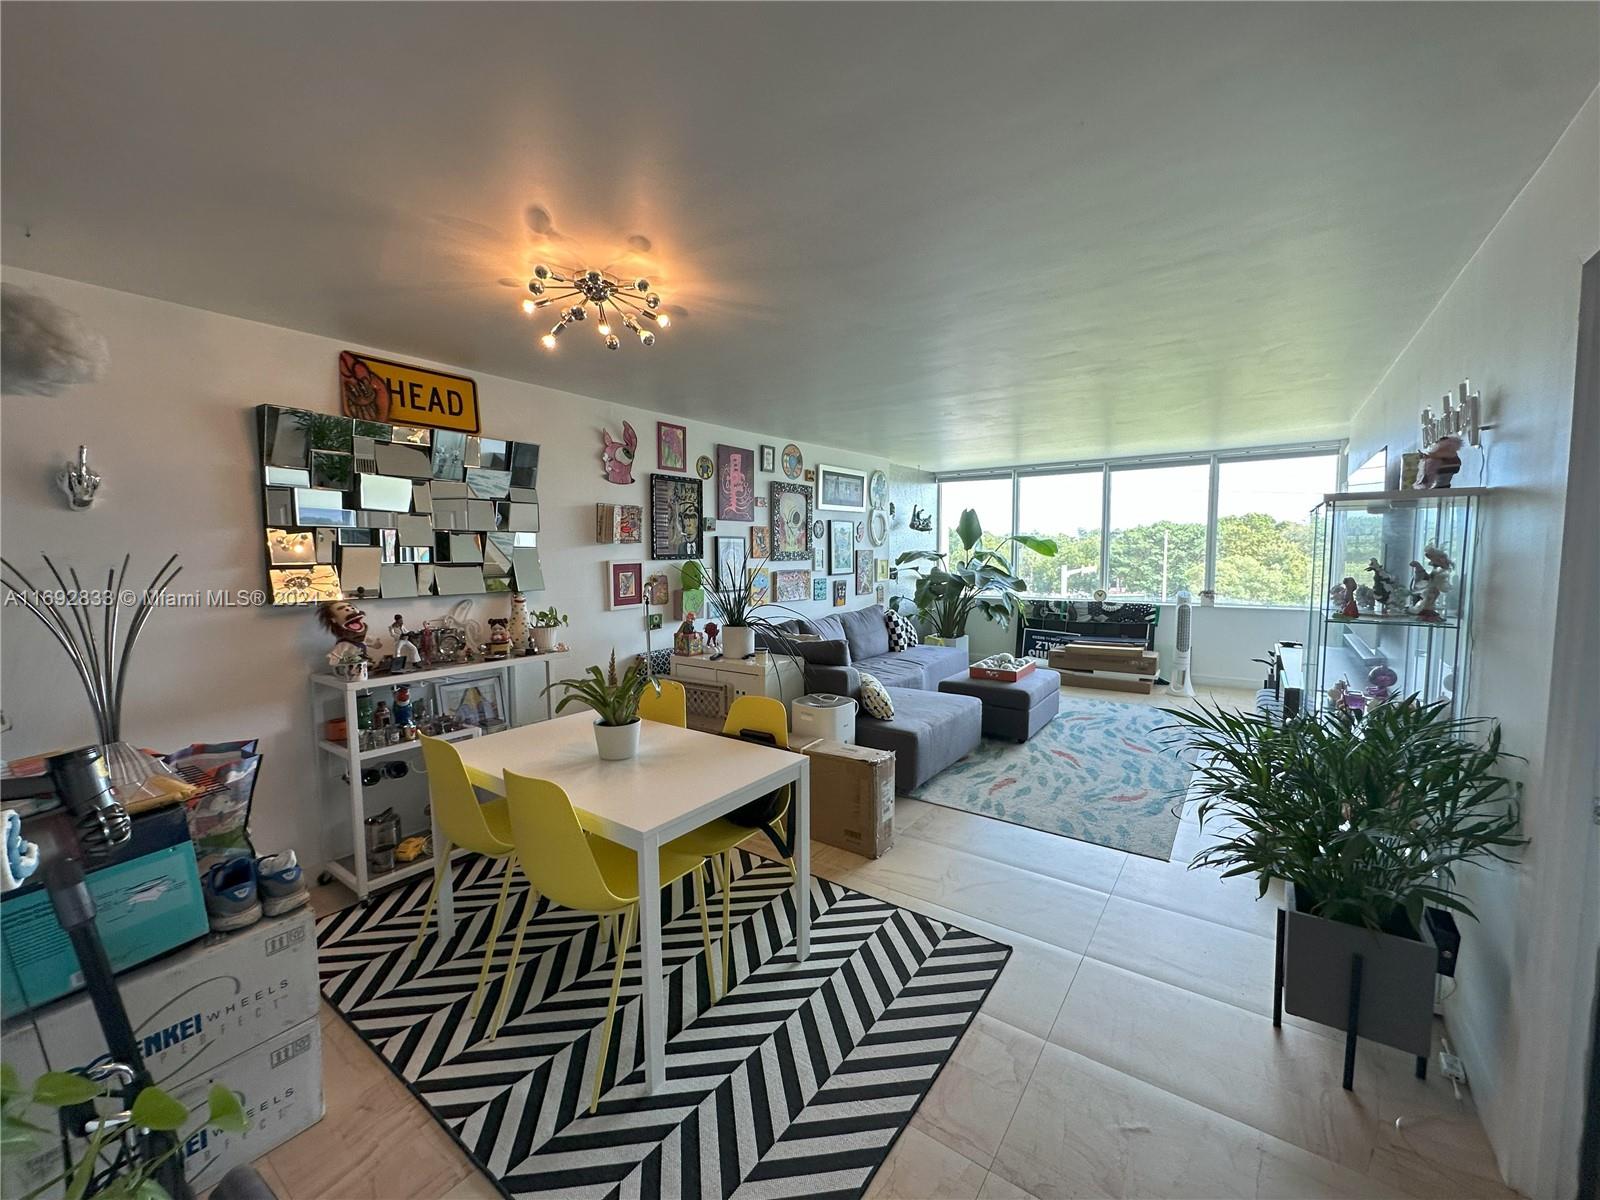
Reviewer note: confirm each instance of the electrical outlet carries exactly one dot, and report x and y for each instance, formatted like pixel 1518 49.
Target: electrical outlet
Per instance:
pixel 1451 1067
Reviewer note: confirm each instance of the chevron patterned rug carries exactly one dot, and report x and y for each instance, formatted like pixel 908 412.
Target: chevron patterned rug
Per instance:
pixel 794 1084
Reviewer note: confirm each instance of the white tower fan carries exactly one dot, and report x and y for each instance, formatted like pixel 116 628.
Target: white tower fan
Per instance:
pixel 1182 677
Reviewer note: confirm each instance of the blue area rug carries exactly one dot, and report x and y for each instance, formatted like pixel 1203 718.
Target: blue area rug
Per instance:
pixel 1100 772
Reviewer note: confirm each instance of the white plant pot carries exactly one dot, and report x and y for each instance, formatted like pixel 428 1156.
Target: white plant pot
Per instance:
pixel 544 638
pixel 738 641
pixel 617 742
pixel 959 643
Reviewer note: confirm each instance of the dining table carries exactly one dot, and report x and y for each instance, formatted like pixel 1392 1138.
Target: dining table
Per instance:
pixel 679 780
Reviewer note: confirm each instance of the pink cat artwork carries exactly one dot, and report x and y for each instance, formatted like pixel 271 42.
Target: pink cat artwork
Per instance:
pixel 616 458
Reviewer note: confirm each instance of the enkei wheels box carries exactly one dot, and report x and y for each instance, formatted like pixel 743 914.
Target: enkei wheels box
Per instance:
pixel 852 796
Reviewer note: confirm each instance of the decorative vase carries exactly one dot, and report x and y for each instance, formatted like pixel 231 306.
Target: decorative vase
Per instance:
pixel 517 628
pixel 544 638
pixel 617 742
pixel 738 641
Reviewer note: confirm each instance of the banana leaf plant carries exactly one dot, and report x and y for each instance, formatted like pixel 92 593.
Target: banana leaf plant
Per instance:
pixel 978 579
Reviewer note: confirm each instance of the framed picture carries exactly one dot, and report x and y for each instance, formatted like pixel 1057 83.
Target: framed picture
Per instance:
pixel 731 559
pixel 478 701
pixel 769 458
pixel 839 592
pixel 840 487
pixel 653 621
pixel 657 589
pixel 819 557
pixel 819 588
pixel 674 517
pixel 789 510
pixel 760 541
pixel 625 584
pixel 880 569
pixel 789 586
pixel 736 484
pixel 760 593
pixel 879 594
pixel 618 523
pixel 841 547
pixel 672 447
pixel 810 475
pixel 863 572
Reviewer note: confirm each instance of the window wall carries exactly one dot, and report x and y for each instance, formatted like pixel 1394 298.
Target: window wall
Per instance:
pixel 1236 522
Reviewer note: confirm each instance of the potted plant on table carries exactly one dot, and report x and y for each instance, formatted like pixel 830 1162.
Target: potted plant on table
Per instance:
pixel 1365 819
pixel 979 579
pixel 543 628
pixel 615 700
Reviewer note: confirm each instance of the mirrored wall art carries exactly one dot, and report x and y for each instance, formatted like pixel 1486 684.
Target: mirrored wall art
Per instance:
pixel 361 509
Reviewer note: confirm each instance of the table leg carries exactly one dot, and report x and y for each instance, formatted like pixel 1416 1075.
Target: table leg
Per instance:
pixel 801 835
pixel 358 815
pixel 445 900
pixel 654 989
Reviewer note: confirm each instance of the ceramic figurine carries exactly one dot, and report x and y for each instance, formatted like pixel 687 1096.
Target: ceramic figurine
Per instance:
pixel 1439 464
pixel 1364 598
pixel 1338 692
pixel 1349 609
pixel 517 628
pixel 1383 589
pixel 616 458
pixel 348 624
pixel 397 627
pixel 713 632
pixel 406 655
pixel 499 643
pixel 1429 583
pixel 402 707
pixel 1379 682
pixel 1338 594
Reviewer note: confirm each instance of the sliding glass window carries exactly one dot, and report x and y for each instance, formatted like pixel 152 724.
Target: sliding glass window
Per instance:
pixel 1157 529
pixel 1069 509
pixel 990 498
pixel 1264 526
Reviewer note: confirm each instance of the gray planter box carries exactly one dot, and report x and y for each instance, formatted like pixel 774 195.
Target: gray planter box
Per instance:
pixel 1371 984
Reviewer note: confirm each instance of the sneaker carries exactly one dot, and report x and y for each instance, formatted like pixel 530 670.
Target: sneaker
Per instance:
pixel 283 884
pixel 230 888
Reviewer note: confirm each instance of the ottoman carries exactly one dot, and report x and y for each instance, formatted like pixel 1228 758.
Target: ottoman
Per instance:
pixel 928 732
pixel 1012 710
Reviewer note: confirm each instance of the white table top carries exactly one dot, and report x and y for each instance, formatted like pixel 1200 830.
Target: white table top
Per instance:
pixel 680 778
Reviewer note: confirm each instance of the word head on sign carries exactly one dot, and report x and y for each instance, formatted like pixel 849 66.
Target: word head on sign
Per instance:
pixel 374 389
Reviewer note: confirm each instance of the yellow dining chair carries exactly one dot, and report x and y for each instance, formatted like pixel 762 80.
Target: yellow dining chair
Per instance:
pixel 670 706
pixel 585 872
pixel 482 828
pixel 716 840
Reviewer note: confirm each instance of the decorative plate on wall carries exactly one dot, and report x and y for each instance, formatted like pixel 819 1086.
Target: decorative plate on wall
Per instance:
pixel 877 489
pixel 877 527
pixel 704 467
pixel 793 463
pixel 817 528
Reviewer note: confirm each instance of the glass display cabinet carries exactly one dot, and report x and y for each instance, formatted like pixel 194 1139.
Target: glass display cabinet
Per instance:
pixel 1391 596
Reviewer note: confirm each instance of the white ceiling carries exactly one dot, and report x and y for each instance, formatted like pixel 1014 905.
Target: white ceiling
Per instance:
pixel 956 234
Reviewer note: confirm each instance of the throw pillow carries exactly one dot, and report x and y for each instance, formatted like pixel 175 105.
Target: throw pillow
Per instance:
pixel 902 631
pixel 824 653
pixel 875 700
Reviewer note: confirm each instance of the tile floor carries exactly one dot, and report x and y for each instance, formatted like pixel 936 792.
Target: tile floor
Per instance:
pixel 1126 1051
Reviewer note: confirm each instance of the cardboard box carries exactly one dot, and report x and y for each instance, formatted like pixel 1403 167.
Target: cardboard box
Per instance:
pixel 147 901
pixel 852 796
pixel 279 1083
pixel 203 1005
pixel 1107 681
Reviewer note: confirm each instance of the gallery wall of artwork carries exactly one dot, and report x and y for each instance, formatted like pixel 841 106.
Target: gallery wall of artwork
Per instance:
pixel 180 457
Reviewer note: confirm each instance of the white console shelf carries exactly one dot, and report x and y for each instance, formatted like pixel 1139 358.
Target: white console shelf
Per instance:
pixel 527 700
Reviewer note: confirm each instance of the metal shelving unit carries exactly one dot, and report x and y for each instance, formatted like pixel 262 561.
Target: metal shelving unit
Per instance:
pixel 1429 656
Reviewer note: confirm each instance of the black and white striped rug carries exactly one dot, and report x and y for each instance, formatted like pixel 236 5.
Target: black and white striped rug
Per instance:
pixel 794 1084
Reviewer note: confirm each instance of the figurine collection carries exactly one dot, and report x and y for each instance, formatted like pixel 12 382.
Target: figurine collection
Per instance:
pixel 442 641
pixel 1422 598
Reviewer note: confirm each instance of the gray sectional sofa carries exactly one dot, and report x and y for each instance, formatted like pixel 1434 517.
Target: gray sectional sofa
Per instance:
pixel 930 729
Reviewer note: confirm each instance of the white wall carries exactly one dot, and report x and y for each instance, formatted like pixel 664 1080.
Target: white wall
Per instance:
pixel 1509 322
pixel 171 428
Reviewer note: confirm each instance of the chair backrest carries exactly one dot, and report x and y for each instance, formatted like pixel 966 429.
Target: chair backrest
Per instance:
pixel 455 804
pixel 763 714
pixel 671 707
pixel 552 847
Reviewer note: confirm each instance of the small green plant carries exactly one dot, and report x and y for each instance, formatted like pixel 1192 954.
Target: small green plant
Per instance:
pixel 614 698
pixel 952 589
pixel 152 1109
pixel 1367 818
pixel 548 618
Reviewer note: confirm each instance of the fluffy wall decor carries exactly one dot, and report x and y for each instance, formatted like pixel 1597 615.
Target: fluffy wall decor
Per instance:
pixel 44 347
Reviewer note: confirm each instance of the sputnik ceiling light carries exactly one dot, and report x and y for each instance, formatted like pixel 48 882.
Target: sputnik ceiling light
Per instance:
pixel 631 306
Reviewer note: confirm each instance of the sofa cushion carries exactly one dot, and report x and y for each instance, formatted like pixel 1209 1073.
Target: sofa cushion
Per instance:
pixel 902 631
pixel 829 652
pixel 828 628
pixel 929 732
pixel 865 631
pixel 875 699
pixel 896 670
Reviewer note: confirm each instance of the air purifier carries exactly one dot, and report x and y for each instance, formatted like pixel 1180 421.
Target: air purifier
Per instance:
pixel 1182 677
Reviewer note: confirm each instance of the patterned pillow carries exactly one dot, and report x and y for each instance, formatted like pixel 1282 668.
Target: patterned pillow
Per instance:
pixel 875 701
pixel 902 631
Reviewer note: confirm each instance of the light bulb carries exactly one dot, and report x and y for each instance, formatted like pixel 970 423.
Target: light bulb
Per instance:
pixel 641 285
pixel 541 272
pixel 646 338
pixel 664 321
pixel 604 328
pixel 528 306
pixel 592 276
pixel 653 300
pixel 548 341
pixel 576 313
pixel 612 341
pixel 536 287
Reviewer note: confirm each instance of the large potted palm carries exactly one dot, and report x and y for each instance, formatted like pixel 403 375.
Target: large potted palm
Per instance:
pixel 951 587
pixel 1366 820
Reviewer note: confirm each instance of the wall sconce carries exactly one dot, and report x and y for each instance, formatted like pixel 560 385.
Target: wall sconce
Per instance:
pixel 1461 418
pixel 79 482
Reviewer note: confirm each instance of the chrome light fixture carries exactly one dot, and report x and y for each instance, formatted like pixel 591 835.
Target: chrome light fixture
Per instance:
pixel 579 296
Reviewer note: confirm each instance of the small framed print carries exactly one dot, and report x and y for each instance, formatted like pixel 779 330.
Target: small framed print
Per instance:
pixel 760 541
pixel 653 621
pixel 863 572
pixel 841 488
pixel 839 592
pixel 819 588
pixel 880 568
pixel 879 594
pixel 769 459
pixel 672 447
pixel 657 590
pixel 841 547
pixel 791 586
pixel 625 584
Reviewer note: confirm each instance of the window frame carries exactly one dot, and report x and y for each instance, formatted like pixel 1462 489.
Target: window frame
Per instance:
pixel 1214 459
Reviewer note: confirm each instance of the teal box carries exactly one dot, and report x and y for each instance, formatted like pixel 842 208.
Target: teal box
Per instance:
pixel 146 903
